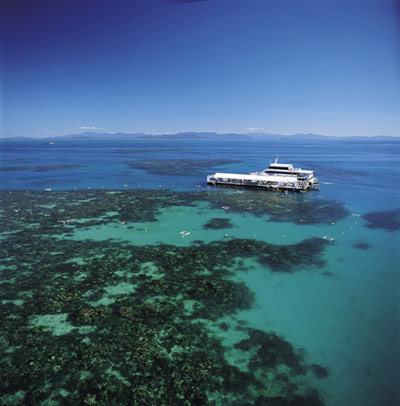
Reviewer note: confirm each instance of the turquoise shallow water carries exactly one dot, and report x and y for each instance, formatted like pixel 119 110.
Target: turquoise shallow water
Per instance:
pixel 341 313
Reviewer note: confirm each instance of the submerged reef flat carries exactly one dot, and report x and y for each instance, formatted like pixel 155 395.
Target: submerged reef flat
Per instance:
pixel 281 207
pixel 39 168
pixel 180 167
pixel 386 220
pixel 58 212
pixel 100 323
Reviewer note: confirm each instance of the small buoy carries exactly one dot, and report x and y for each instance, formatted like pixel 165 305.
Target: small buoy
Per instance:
pixel 332 224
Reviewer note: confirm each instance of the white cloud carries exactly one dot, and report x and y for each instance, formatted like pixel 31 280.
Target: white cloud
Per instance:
pixel 255 129
pixel 90 128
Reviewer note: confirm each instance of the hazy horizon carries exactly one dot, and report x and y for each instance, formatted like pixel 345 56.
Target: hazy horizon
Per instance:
pixel 249 135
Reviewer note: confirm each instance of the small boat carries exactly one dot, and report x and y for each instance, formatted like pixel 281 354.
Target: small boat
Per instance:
pixel 49 143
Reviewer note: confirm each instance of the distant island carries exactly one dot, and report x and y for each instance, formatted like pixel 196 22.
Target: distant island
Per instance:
pixel 192 135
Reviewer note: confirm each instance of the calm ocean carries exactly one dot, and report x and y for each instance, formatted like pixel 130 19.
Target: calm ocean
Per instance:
pixel 100 234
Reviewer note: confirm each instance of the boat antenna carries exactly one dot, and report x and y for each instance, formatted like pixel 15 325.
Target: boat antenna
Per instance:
pixel 276 159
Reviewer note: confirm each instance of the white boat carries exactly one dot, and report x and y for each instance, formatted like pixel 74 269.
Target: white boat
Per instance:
pixel 276 177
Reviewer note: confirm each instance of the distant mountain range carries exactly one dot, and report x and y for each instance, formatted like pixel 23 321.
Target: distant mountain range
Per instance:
pixel 199 136
pixel 143 136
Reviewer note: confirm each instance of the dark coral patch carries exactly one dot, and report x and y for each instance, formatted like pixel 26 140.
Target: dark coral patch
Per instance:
pixel 39 168
pixel 179 167
pixel 362 246
pixel 218 223
pixel 224 326
pixel 320 371
pixel 272 351
pixel 146 150
pixel 91 315
pixel 295 208
pixel 386 220
pixel 278 258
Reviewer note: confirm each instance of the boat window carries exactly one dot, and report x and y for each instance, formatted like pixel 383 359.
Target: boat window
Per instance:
pixel 286 168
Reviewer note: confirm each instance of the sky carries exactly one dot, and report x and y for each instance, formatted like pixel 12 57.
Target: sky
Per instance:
pixel 328 67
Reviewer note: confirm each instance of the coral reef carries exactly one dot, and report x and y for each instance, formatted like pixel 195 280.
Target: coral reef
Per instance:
pixel 179 167
pixel 362 246
pixel 145 149
pixel 218 223
pixel 319 371
pixel 39 168
pixel 150 343
pixel 386 220
pixel 60 211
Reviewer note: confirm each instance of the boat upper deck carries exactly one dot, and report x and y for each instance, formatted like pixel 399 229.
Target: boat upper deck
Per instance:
pixel 285 168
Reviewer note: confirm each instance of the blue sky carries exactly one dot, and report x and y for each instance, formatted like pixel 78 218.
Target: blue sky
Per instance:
pixel 327 67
